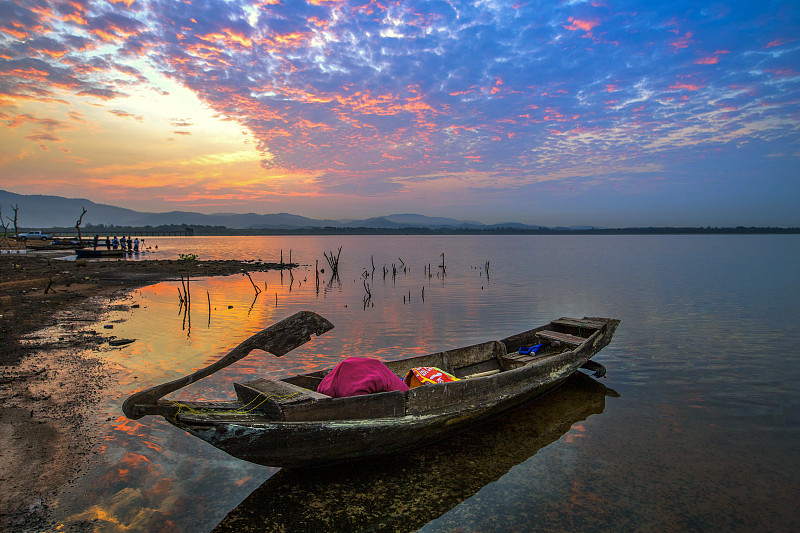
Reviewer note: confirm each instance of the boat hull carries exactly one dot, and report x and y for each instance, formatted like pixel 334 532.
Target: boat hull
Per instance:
pixel 311 444
pixel 431 413
pixel 91 253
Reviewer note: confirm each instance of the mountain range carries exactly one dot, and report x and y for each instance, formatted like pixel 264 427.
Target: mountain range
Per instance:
pixel 40 211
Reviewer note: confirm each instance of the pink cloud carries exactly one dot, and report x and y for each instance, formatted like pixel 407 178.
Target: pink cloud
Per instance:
pixel 585 25
pixel 685 87
pixel 682 42
pixel 712 59
pixel 777 42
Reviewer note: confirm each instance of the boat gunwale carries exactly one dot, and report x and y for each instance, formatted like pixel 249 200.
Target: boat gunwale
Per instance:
pixel 505 378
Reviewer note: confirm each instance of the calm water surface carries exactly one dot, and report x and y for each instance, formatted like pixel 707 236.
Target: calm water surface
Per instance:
pixel 695 427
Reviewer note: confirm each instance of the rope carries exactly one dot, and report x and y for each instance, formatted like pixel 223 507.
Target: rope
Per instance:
pixel 243 411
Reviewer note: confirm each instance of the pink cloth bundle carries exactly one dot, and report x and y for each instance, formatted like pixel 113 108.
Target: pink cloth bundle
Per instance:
pixel 360 375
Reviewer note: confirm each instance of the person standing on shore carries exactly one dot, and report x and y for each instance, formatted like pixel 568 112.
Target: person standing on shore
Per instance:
pixel 130 244
pixel 136 245
pixel 115 243
pixel 108 243
pixel 94 241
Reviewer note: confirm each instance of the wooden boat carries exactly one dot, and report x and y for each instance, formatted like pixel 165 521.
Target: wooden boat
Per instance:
pixel 55 244
pixel 300 499
pixel 287 423
pixel 91 253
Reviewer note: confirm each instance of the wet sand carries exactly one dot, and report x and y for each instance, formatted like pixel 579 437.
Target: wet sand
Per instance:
pixel 49 377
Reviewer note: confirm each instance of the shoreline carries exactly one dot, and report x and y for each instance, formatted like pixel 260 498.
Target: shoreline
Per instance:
pixel 51 374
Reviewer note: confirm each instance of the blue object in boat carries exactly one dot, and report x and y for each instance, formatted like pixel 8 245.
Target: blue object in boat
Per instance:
pixel 532 350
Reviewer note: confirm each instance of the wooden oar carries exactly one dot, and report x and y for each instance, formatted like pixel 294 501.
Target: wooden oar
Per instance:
pixel 278 339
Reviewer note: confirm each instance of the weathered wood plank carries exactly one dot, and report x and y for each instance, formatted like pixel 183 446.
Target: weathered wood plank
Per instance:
pixel 561 337
pixel 401 366
pixel 579 322
pixel 271 396
pixel 520 357
pixel 378 405
pixel 212 418
pixel 483 374
pixel 470 356
pixel 475 368
pixel 281 391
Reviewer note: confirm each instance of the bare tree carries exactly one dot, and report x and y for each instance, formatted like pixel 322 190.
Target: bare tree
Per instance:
pixel 4 224
pixel 15 208
pixel 78 225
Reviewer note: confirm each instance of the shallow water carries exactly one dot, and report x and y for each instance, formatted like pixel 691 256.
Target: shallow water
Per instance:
pixel 699 431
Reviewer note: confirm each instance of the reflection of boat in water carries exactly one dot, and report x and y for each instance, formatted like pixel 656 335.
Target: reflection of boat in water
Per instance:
pixel 287 423
pixel 410 489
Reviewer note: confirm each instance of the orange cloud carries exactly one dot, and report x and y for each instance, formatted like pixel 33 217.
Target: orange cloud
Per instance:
pixel 228 37
pixel 685 87
pixel 585 25
pixel 682 42
pixel 712 59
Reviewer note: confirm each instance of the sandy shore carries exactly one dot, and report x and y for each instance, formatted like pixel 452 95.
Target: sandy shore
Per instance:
pixel 49 377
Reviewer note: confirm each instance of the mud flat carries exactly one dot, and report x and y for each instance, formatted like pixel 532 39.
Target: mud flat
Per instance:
pixel 49 377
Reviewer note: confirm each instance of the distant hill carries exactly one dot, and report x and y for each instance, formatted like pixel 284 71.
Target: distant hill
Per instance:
pixel 40 211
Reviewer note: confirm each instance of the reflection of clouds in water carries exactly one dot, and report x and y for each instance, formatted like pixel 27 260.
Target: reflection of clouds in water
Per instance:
pixel 132 494
pixel 150 475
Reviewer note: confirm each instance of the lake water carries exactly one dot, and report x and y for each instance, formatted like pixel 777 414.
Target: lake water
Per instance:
pixel 695 427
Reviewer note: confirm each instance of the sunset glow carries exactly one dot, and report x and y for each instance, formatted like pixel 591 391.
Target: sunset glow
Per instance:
pixel 578 112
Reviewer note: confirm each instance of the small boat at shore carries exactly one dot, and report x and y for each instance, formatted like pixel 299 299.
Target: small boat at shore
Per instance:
pixel 91 253
pixel 286 422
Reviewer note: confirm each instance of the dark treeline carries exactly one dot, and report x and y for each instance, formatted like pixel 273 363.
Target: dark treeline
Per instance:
pixel 178 229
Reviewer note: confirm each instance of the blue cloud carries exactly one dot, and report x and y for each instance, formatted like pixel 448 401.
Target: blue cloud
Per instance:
pixel 385 93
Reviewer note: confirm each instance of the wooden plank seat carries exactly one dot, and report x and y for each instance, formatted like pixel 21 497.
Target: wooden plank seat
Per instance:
pixel 277 391
pixel 561 337
pixel 514 356
pixel 516 360
pixel 579 323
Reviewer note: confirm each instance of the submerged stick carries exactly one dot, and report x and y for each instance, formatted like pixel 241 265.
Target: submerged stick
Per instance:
pixel 258 291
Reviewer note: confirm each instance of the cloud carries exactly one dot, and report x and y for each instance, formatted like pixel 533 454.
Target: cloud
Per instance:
pixel 373 95
pixel 124 114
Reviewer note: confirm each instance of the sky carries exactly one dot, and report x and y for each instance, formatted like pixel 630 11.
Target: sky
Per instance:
pixel 606 113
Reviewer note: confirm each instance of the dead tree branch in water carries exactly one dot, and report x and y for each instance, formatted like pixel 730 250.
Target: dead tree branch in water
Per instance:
pixel 316 267
pixel 78 225
pixel 255 288
pixel 186 302
pixel 333 261
pixel 367 292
